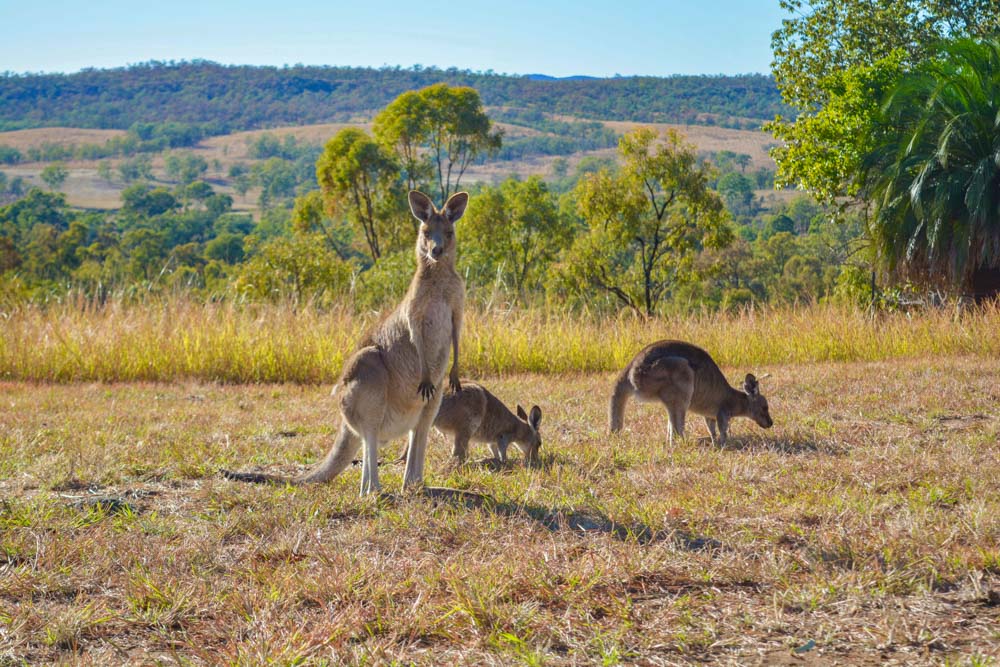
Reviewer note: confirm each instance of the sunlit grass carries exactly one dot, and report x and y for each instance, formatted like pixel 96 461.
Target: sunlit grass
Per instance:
pixel 177 338
pixel 865 521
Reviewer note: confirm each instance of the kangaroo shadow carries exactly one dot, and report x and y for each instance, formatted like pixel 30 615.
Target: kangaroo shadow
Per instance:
pixel 487 463
pixel 591 522
pixel 791 444
pixel 560 518
pixel 543 462
pixel 583 522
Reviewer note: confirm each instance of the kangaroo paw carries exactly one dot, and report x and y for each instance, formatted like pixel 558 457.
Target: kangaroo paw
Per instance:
pixel 426 390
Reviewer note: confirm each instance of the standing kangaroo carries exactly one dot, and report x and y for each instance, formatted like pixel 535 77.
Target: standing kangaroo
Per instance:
pixel 475 414
pixel 685 378
pixel 391 385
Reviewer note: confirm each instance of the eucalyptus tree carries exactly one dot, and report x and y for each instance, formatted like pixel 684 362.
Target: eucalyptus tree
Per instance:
pixel 515 231
pixel 54 175
pixel 360 181
pixel 437 132
pixel 647 222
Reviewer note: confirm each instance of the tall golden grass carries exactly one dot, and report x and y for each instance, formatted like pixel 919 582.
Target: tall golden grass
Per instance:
pixel 178 338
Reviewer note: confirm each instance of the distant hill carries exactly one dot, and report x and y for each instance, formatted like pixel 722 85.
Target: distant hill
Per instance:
pixel 228 98
pixel 575 77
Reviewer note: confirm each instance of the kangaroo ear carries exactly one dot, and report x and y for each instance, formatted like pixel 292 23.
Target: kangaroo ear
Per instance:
pixel 421 205
pixel 521 413
pixel 750 385
pixel 455 207
pixel 535 418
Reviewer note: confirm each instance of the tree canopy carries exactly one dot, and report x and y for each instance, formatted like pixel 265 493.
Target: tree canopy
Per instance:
pixel 437 132
pixel 209 98
pixel 833 62
pixel 512 231
pixel 359 180
pixel 933 173
pixel 646 222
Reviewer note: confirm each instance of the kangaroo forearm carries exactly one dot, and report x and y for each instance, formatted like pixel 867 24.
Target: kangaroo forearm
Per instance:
pixel 456 331
pixel 454 359
pixel 417 338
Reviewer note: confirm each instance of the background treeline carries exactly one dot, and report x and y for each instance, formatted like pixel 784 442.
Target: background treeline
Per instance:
pixel 657 227
pixel 228 98
pixel 520 243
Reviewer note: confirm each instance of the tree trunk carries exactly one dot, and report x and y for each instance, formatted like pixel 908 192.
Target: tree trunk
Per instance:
pixel 984 284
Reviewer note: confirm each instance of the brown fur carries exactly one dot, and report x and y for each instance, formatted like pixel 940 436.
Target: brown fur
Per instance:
pixel 685 379
pixel 392 385
pixel 476 414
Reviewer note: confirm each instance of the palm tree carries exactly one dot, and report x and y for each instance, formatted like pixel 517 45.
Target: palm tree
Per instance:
pixel 933 177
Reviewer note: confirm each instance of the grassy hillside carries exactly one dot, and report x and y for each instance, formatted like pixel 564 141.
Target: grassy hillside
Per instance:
pixel 85 189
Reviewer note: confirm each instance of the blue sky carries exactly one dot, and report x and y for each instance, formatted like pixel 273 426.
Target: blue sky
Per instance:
pixel 560 38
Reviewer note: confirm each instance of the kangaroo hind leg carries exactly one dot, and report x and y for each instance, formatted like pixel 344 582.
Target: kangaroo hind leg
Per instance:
pixel 413 476
pixel 363 407
pixel 460 449
pixel 369 463
pixel 676 393
pixel 677 413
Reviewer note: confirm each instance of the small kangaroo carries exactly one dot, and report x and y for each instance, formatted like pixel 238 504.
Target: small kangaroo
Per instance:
pixel 390 386
pixel 475 414
pixel 685 378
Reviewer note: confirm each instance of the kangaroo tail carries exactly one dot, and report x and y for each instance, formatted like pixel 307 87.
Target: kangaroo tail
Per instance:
pixel 619 397
pixel 338 458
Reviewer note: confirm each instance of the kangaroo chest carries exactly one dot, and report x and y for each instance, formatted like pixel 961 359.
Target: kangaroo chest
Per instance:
pixel 435 322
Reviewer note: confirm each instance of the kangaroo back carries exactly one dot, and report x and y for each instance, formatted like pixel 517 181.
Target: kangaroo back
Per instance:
pixel 462 410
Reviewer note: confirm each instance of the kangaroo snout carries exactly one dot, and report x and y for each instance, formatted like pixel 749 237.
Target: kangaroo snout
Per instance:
pixel 436 252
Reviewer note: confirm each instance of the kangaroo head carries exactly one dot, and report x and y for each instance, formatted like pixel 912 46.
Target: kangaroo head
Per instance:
pixel 436 238
pixel 528 439
pixel 758 404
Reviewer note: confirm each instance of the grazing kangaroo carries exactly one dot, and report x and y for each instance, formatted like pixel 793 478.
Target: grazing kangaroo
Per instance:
pixel 391 385
pixel 685 378
pixel 475 414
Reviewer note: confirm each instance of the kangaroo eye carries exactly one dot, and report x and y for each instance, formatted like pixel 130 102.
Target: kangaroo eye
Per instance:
pixel 449 234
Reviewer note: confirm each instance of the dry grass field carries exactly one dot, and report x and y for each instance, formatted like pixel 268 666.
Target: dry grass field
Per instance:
pixel 181 339
pixel 713 139
pixel 36 137
pixel 864 528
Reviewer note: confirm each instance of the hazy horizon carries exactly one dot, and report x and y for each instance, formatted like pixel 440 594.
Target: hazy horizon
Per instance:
pixel 376 67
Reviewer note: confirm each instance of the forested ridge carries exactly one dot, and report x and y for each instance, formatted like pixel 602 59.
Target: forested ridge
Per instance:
pixel 238 97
